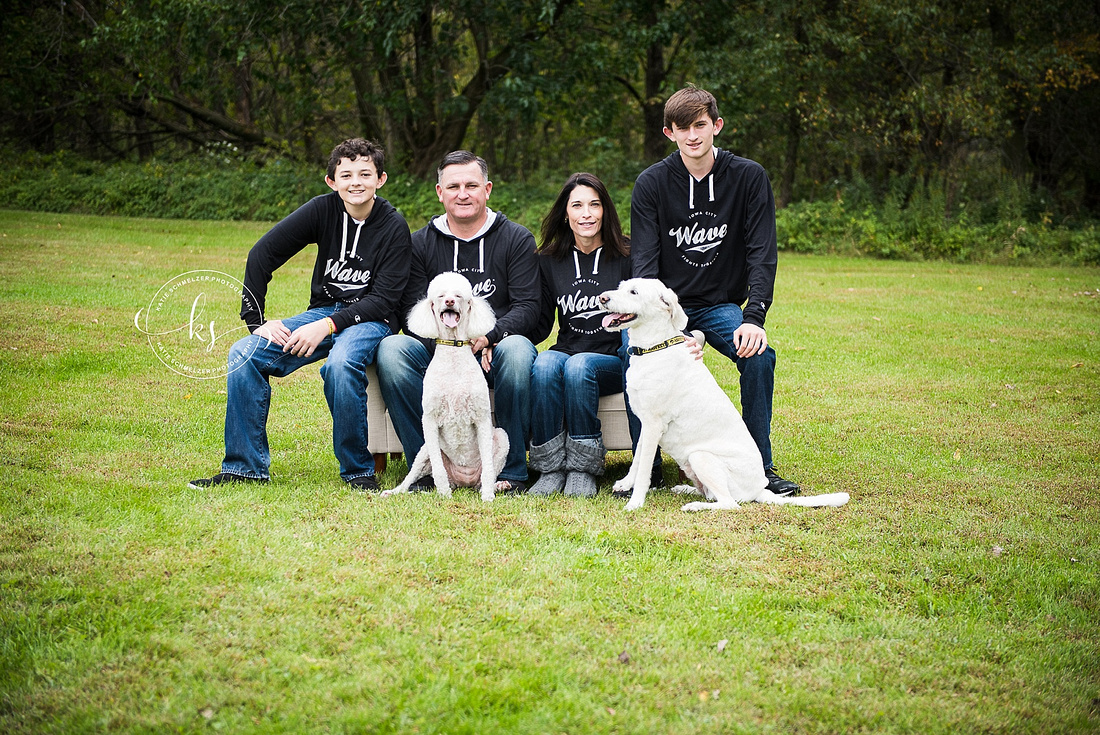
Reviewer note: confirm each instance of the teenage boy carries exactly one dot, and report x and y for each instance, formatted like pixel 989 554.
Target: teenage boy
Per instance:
pixel 361 270
pixel 498 258
pixel 703 221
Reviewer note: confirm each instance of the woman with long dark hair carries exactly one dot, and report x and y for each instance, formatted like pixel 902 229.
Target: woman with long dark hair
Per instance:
pixel 583 253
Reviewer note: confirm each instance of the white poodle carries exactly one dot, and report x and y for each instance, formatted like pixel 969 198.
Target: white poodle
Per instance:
pixel 460 442
pixel 683 409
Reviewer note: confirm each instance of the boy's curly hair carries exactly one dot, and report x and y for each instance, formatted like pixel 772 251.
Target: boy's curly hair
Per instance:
pixel 355 148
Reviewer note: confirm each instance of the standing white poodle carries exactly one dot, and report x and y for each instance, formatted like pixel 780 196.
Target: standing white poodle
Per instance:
pixel 460 442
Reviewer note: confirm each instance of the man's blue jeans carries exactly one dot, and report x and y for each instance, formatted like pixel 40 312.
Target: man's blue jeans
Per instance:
pixel 566 393
pixel 253 361
pixel 718 323
pixel 402 361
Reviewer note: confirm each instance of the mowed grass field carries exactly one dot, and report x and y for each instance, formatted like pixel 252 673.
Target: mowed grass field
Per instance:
pixel 959 591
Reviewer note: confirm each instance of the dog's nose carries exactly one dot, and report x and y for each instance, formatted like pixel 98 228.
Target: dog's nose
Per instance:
pixel 603 298
pixel 449 302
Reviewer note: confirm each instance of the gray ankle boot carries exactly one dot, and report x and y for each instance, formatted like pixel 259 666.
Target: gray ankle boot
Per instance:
pixel 584 460
pixel 548 458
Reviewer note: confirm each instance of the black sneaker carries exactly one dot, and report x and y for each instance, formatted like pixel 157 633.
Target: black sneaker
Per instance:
pixel 778 485
pixel 424 485
pixel 222 478
pixel 365 484
pixel 515 487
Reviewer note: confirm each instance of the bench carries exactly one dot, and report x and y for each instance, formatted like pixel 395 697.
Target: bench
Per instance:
pixel 383 442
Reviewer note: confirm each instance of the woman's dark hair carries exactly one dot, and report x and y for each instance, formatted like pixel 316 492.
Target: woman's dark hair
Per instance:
pixel 558 238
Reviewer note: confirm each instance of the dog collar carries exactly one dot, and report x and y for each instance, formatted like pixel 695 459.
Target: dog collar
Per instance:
pixel 454 342
pixel 646 350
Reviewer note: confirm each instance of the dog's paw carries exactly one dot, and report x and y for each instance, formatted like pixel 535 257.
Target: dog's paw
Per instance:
pixel 685 490
pixel 393 491
pixel 634 505
pixel 622 487
pixel 487 494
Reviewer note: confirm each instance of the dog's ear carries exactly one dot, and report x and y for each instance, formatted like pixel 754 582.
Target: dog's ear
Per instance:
pixel 676 312
pixel 422 320
pixel 482 318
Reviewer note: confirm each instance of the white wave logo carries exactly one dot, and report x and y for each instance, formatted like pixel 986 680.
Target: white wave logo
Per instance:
pixel 698 239
pixel 344 278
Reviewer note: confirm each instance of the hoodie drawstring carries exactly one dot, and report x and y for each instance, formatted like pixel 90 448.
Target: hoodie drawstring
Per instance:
pixel 480 256
pixel 691 189
pixel 344 238
pixel 595 262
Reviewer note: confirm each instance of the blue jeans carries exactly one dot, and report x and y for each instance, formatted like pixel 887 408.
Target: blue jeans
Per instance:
pixel 719 323
pixel 567 390
pixel 402 361
pixel 253 361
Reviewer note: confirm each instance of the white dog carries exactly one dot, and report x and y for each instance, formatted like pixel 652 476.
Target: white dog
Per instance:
pixel 460 442
pixel 683 409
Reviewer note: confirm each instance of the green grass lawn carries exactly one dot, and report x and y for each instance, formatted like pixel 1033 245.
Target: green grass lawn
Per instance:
pixel 959 591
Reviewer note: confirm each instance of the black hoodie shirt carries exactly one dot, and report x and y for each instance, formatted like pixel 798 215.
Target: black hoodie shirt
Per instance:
pixel 570 290
pixel 499 263
pixel 710 241
pixel 362 264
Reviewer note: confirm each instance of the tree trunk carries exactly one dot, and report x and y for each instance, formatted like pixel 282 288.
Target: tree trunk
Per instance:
pixel 654 142
pixel 790 161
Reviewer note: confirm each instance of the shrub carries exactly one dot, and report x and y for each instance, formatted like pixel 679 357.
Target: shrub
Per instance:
pixel 911 223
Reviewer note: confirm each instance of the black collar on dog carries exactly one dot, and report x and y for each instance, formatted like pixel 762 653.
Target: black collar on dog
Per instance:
pixel 454 342
pixel 655 348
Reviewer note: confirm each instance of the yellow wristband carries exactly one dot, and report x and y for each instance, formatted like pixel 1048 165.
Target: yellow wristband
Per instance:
pixel 331 325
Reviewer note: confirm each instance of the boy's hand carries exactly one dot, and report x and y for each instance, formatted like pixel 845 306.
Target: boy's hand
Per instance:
pixel 304 340
pixel 274 331
pixel 750 340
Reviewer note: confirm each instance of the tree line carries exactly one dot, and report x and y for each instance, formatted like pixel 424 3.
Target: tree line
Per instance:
pixel 895 94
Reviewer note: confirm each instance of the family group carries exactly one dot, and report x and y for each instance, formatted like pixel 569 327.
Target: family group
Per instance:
pixel 702 221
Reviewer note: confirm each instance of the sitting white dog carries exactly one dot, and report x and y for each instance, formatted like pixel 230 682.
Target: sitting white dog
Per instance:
pixel 683 409
pixel 460 442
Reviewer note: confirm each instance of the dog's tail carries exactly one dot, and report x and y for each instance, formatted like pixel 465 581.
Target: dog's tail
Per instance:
pixel 830 500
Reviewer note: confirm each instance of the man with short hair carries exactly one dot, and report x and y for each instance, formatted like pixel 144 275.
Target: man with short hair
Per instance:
pixel 703 221
pixel 497 256
pixel 359 276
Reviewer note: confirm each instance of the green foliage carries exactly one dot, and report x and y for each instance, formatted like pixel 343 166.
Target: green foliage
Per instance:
pixel 984 231
pixel 210 187
pixel 1010 225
